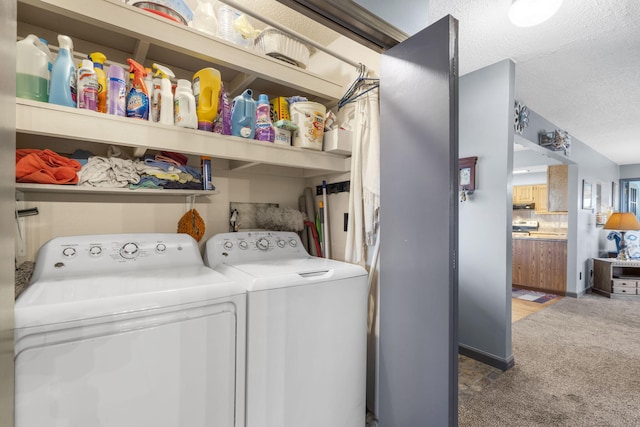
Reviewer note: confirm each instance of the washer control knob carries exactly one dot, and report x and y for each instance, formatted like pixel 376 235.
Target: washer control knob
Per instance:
pixel 293 243
pixel 95 251
pixel 228 245
pixel 161 248
pixel 263 244
pixel 281 243
pixel 129 250
pixel 243 245
pixel 69 252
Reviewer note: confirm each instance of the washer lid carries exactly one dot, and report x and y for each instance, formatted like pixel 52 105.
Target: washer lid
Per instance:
pixel 280 273
pixel 86 296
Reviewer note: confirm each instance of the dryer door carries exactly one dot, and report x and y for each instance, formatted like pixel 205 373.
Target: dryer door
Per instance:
pixel 163 369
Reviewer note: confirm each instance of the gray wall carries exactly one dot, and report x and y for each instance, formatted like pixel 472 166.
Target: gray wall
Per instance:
pixel 630 171
pixel 486 131
pixel 409 16
pixel 418 375
pixel 7 204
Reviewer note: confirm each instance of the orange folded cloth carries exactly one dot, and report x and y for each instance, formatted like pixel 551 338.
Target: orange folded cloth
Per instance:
pixel 45 167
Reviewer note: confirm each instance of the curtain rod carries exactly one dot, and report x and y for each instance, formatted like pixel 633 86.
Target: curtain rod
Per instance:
pixel 307 40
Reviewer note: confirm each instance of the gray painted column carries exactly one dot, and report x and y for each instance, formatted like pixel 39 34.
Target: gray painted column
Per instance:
pixel 486 131
pixel 418 275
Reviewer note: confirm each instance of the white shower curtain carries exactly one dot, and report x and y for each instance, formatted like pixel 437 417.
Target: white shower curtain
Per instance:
pixel 364 193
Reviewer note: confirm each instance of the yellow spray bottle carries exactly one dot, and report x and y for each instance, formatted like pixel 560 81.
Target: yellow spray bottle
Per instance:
pixel 206 90
pixel 98 59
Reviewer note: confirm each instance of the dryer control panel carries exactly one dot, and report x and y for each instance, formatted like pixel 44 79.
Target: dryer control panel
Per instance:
pixel 114 252
pixel 247 246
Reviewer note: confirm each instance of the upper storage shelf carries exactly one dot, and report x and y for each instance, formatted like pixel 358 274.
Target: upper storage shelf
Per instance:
pixel 121 31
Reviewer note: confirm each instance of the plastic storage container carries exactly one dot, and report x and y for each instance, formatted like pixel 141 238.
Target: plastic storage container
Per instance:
pixel 282 46
pixel 33 69
pixel 309 117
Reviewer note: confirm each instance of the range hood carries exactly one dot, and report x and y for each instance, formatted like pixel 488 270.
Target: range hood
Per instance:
pixel 524 206
pixel 351 20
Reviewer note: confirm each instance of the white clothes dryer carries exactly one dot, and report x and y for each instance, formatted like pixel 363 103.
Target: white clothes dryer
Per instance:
pixel 306 330
pixel 129 330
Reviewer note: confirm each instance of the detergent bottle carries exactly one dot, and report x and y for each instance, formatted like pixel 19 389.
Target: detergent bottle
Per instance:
pixel 264 128
pixel 63 75
pixel 185 106
pixel 33 60
pixel 87 86
pixel 98 59
pixel 206 90
pixel 243 115
pixel 163 97
pixel 138 96
pixel 117 91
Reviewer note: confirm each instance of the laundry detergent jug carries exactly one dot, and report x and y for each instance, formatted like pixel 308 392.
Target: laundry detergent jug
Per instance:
pixel 33 67
pixel 206 90
pixel 243 115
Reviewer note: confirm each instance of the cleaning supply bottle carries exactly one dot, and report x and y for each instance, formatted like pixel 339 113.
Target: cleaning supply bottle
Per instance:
pixel 206 90
pixel 243 115
pixel 98 59
pixel 32 69
pixel 264 128
pixel 87 86
pixel 163 97
pixel 63 75
pixel 185 106
pixel 116 91
pixel 138 96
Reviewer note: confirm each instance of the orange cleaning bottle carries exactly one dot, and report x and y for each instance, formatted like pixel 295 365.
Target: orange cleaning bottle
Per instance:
pixel 206 90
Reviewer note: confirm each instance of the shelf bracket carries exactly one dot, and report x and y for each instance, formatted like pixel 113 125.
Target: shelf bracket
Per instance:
pixel 235 165
pixel 139 151
pixel 239 84
pixel 141 50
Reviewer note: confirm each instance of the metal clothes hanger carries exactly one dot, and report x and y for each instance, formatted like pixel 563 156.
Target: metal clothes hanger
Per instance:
pixel 359 87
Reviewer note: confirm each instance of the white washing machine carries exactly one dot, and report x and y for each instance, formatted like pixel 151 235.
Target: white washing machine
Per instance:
pixel 129 330
pixel 306 330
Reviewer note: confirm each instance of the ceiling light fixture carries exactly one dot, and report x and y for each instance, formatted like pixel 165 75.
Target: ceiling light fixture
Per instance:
pixel 527 13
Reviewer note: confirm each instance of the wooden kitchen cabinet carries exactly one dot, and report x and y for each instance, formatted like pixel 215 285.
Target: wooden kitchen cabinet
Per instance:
pixel 540 264
pixel 523 194
pixel 558 188
pixel 540 198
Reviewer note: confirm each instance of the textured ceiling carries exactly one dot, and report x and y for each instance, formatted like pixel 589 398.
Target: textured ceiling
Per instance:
pixel 580 70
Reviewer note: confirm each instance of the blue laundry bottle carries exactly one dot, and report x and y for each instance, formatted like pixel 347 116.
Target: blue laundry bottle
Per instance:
pixel 243 115
pixel 63 75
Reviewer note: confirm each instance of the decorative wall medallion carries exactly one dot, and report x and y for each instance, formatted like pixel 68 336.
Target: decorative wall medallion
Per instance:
pixel 521 119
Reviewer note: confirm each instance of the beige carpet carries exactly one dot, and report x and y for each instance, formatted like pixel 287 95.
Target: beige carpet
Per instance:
pixel 577 363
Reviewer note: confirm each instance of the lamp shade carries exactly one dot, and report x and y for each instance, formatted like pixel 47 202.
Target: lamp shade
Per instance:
pixel 622 221
pixel 527 13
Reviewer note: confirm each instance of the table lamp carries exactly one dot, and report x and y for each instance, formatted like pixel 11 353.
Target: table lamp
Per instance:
pixel 623 222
